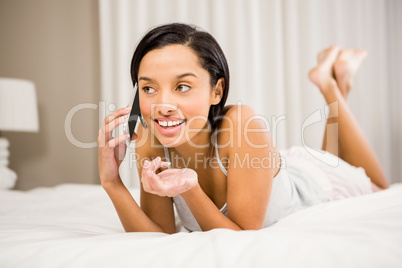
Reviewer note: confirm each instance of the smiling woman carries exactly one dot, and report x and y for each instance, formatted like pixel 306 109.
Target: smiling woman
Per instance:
pixel 183 81
pixel 175 93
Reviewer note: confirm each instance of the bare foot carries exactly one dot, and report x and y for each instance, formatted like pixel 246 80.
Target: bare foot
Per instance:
pixel 323 74
pixel 346 66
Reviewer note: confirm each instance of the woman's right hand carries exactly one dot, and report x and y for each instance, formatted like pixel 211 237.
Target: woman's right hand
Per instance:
pixel 111 150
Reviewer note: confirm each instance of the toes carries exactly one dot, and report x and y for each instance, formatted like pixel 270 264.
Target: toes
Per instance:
pixel 329 52
pixel 346 66
pixel 322 74
pixel 352 55
pixel 333 53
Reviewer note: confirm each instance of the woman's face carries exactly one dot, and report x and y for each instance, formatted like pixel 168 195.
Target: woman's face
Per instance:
pixel 175 94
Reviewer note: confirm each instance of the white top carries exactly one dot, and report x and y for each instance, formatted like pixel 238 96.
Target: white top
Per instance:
pixel 292 189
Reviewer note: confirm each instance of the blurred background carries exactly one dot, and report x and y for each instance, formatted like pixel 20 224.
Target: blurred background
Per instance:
pixel 55 44
pixel 78 52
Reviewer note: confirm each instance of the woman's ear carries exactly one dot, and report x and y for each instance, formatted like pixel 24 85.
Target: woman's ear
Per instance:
pixel 217 91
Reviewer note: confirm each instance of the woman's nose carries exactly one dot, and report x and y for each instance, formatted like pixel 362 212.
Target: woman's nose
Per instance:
pixel 166 104
pixel 165 109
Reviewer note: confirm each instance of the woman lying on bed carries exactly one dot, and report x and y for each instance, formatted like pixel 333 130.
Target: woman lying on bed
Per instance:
pixel 216 162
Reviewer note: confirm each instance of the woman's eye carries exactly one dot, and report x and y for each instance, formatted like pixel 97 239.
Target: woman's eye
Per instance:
pixel 183 88
pixel 148 90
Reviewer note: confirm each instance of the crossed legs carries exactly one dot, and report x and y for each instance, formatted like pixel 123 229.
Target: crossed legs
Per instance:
pixel 334 76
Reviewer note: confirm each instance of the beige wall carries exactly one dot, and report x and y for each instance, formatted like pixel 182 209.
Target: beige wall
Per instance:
pixel 55 44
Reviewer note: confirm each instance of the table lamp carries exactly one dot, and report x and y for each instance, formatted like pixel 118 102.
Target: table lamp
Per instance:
pixel 18 112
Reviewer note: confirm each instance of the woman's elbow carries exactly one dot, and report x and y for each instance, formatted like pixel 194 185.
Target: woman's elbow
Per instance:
pixel 252 226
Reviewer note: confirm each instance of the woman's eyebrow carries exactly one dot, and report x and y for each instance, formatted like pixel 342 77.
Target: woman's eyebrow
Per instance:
pixel 145 78
pixel 185 74
pixel 178 77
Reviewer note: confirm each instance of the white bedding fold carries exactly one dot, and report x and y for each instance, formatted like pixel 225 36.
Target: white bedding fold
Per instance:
pixel 76 226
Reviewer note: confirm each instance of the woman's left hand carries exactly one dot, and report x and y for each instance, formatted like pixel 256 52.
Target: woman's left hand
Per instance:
pixel 169 182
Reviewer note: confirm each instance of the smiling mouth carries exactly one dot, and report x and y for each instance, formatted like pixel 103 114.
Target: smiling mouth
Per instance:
pixel 170 124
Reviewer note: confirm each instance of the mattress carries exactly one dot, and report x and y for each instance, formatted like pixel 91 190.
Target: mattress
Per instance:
pixel 75 225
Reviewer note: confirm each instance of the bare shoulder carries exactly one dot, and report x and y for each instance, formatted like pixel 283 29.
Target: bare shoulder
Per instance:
pixel 242 123
pixel 247 145
pixel 235 116
pixel 244 131
pixel 238 112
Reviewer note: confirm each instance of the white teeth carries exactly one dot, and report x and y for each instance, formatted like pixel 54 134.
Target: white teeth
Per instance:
pixel 170 123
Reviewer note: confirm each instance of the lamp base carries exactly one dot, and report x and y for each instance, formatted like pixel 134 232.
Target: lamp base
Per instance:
pixel 7 176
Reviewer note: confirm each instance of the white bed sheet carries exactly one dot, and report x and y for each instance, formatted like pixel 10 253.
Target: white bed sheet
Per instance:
pixel 74 225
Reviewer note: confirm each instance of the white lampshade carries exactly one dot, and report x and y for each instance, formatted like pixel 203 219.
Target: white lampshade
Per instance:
pixel 18 105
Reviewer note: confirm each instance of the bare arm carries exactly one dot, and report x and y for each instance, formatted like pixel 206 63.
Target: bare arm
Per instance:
pixel 248 184
pixel 111 152
pixel 132 217
pixel 208 216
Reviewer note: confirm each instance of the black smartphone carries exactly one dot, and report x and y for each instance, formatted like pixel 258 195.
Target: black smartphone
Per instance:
pixel 134 117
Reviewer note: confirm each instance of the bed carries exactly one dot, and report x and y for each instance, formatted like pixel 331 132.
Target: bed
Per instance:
pixel 75 225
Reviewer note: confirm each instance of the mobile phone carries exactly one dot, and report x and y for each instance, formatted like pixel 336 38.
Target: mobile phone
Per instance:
pixel 130 126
